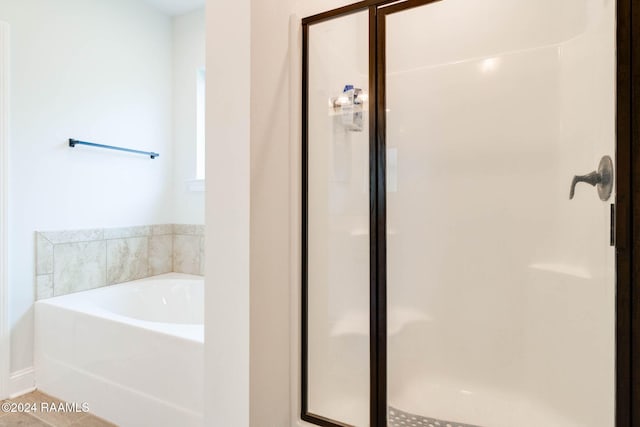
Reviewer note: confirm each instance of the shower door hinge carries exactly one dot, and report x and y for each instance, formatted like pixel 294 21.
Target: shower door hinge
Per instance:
pixel 612 226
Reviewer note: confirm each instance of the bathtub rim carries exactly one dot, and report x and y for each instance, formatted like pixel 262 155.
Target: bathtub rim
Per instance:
pixel 188 332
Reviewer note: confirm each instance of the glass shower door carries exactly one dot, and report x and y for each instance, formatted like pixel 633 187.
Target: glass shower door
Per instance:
pixel 501 289
pixel 337 224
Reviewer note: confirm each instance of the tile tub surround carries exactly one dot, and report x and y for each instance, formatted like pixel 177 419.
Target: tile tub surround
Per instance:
pixel 78 260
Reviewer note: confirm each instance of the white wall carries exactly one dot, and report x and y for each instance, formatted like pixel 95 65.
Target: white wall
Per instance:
pixel 188 57
pixel 96 70
pixel 269 213
pixel 227 214
pixel 235 65
pixel 5 354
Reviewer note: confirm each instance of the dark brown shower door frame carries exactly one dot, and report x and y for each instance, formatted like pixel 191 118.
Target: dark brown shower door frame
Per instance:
pixel 627 211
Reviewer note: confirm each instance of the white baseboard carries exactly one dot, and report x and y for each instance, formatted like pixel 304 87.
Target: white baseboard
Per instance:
pixel 22 382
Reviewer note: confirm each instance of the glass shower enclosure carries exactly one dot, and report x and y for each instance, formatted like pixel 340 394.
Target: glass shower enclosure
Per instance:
pixel 448 278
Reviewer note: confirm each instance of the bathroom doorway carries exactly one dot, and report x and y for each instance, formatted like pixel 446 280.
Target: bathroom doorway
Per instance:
pixel 467 201
pixel 105 198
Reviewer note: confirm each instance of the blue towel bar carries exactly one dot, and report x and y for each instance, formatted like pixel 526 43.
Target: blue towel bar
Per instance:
pixel 74 142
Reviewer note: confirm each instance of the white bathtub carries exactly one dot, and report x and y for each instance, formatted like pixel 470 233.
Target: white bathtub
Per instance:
pixel 133 351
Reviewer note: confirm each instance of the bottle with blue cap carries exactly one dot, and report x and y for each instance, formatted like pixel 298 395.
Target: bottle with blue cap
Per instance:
pixel 347 108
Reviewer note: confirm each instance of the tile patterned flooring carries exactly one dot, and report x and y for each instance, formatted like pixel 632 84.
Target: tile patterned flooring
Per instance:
pixel 47 419
pixel 398 418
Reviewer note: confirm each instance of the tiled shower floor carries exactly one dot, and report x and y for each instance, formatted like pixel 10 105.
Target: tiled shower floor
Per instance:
pixel 399 418
pixel 47 419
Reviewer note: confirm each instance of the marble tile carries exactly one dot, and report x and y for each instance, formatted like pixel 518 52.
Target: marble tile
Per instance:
pixel 52 418
pixel 161 229
pixel 44 286
pixel 202 257
pixel 79 266
pixel 73 236
pixel 44 255
pixel 186 254
pixel 91 421
pixel 160 255
pixel 127 259
pixel 188 229
pixel 124 232
pixel 48 419
pixel 21 420
pixel 75 260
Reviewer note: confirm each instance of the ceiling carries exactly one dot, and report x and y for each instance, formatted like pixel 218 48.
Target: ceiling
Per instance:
pixel 176 7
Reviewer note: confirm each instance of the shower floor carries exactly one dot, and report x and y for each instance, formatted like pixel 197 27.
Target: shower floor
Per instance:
pixel 398 418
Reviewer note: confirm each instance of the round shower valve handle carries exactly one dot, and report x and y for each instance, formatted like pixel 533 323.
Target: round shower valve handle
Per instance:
pixel 602 179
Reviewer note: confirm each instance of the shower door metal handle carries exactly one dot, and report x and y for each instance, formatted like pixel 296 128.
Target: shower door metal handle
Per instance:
pixel 602 179
pixel 593 179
